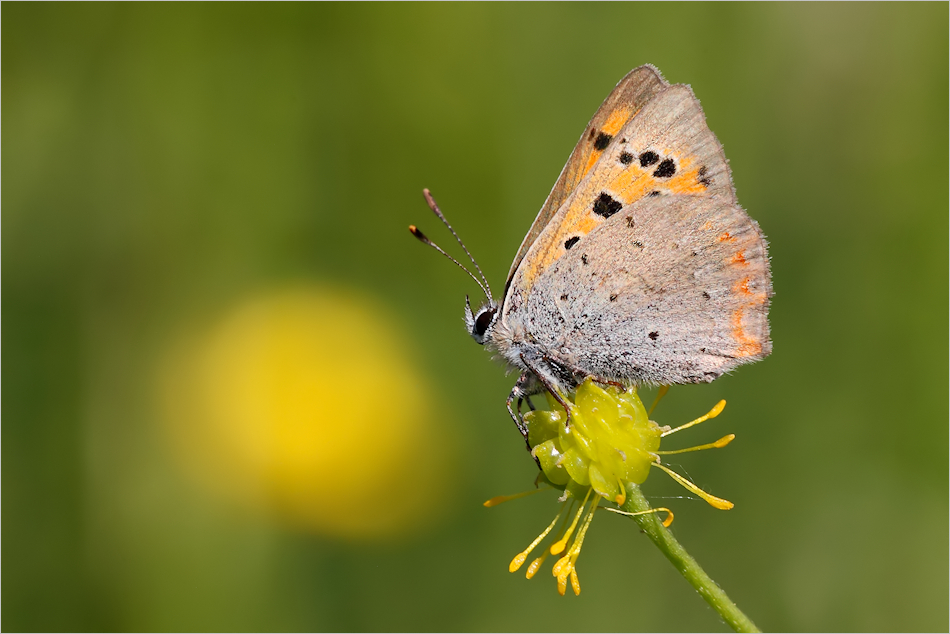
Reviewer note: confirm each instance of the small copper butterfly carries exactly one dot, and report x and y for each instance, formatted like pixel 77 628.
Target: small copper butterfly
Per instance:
pixel 640 268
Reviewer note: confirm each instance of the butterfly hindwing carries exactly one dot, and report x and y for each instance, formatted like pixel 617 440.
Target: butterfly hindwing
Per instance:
pixel 668 290
pixel 626 100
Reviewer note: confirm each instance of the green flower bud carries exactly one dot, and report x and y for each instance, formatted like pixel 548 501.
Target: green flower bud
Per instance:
pixel 609 440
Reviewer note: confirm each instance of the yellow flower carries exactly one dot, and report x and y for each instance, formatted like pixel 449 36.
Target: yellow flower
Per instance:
pixel 268 408
pixel 608 441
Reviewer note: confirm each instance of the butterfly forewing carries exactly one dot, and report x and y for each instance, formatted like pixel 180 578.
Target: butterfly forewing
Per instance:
pixel 666 150
pixel 624 102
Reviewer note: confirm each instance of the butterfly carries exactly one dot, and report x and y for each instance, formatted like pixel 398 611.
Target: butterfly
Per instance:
pixel 641 268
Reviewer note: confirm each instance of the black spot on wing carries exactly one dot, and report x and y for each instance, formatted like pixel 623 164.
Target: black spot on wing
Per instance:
pixel 665 169
pixel 654 335
pixel 653 194
pixel 606 206
pixel 584 259
pixel 571 242
pixel 705 180
pixel 602 141
pixel 626 158
pixel 648 158
pixel 705 294
pixel 613 297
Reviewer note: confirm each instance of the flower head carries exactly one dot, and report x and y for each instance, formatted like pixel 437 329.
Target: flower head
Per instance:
pixel 607 442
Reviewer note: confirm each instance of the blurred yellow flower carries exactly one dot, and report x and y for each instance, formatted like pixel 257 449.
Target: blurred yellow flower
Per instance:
pixel 608 441
pixel 305 404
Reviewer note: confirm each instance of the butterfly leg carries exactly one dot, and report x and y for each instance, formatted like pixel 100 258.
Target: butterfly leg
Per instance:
pixel 524 387
pixel 515 412
pixel 581 375
pixel 550 384
pixel 608 382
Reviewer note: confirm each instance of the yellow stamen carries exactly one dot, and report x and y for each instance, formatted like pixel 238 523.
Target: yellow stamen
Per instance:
pixel 562 584
pixel 559 566
pixel 719 444
pixel 666 522
pixel 713 413
pixel 576 548
pixel 559 545
pixel 621 497
pixel 659 395
pixel 520 557
pixel 534 565
pixel 566 567
pixel 718 503
pixel 561 569
pixel 498 499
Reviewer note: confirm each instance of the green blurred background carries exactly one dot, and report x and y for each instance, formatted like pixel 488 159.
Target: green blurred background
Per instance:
pixel 203 204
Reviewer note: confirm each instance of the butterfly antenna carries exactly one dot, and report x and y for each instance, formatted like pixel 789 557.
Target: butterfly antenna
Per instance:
pixel 438 212
pixel 423 239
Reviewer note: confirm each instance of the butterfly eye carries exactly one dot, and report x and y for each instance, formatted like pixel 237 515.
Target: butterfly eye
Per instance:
pixel 483 321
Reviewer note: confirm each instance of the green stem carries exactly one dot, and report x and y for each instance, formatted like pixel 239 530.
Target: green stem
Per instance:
pixel 683 562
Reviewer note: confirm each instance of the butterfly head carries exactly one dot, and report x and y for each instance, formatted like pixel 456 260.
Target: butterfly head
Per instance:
pixel 480 322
